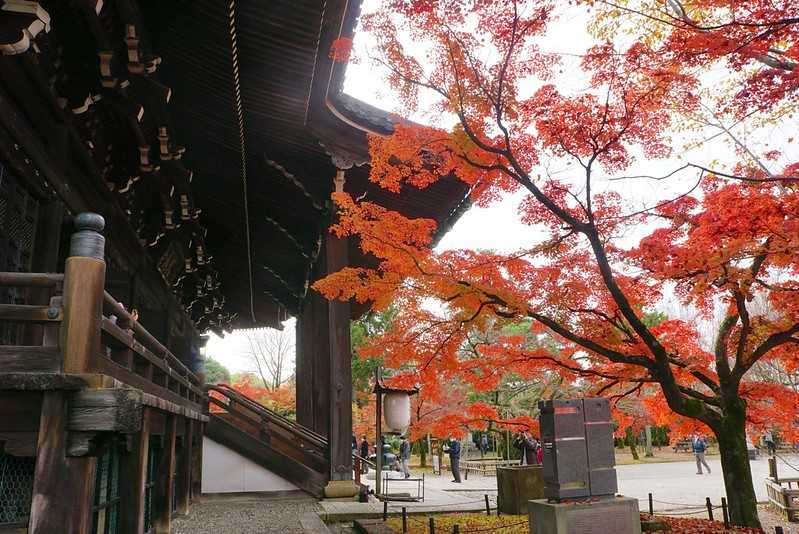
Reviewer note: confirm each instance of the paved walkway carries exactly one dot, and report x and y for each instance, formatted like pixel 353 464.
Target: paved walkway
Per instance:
pixel 247 515
pixel 673 485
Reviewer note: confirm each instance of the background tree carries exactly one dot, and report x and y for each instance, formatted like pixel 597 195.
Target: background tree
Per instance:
pixel 215 372
pixel 581 284
pixel 271 352
pixel 281 400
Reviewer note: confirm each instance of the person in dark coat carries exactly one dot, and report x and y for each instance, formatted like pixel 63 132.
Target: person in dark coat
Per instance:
pixel 529 447
pixel 454 450
pixel 405 457
pixel 364 453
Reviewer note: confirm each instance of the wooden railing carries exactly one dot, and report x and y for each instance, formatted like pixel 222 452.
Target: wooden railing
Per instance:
pixel 259 421
pixel 784 498
pixel 280 444
pixel 127 351
pixel 37 350
pixel 132 355
pixel 358 463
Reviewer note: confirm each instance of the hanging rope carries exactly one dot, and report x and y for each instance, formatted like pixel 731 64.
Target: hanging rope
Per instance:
pixel 234 53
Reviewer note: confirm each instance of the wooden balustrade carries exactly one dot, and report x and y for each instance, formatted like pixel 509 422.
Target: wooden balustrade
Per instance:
pixel 283 434
pixel 126 350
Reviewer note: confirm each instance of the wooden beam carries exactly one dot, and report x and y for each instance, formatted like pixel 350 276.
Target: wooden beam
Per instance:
pixel 30 359
pixel 162 501
pixel 133 473
pixel 109 410
pixel 29 314
pixel 62 486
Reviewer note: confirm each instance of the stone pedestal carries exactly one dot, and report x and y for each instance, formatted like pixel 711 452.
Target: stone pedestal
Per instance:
pixel 617 515
pixel 341 489
pixel 517 485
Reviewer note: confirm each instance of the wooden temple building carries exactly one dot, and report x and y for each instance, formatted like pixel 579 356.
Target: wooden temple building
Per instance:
pixel 165 171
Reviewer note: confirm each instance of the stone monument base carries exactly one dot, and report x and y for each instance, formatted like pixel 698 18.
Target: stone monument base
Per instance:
pixel 616 515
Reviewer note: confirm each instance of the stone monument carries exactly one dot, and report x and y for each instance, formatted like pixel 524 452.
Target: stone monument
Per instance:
pixel 579 475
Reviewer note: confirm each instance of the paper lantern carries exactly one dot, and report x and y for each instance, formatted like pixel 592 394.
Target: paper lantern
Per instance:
pixel 396 412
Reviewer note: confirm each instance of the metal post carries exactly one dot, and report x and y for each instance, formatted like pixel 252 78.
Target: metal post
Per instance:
pixel 432 526
pixel 404 520
pixel 709 508
pixel 724 512
pixel 488 506
pixel 456 529
pixel 778 530
pixel 651 506
pixel 385 510
pixel 379 432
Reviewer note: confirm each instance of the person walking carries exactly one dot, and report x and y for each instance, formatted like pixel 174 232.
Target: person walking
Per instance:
pixel 454 450
pixel 364 454
pixel 405 456
pixel 483 445
pixel 700 446
pixel 768 438
pixel 528 446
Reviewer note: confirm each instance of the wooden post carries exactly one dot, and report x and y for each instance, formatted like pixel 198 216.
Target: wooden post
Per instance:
pixel 133 473
pixel 197 461
pixel 62 486
pixel 162 501
pixel 313 359
pixel 84 280
pixel 184 488
pixel 340 435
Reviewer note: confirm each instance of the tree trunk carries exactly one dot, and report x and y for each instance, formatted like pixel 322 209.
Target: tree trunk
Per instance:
pixel 741 498
pixel 633 450
pixel 422 454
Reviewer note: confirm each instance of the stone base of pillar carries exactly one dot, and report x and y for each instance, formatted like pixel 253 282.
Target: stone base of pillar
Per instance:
pixel 341 489
pixel 613 514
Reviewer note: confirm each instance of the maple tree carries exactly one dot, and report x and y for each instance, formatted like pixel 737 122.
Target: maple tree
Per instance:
pixel 758 40
pixel 281 400
pixel 732 237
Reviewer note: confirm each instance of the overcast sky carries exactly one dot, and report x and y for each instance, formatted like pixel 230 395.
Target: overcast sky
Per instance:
pixel 497 227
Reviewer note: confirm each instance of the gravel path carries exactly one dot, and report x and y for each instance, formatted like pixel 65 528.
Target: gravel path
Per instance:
pixel 245 516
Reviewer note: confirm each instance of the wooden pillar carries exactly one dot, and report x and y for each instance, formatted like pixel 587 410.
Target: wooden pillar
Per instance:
pixel 162 501
pixel 197 461
pixel 62 486
pixel 340 381
pixel 133 474
pixel 185 470
pixel 84 282
pixel 313 360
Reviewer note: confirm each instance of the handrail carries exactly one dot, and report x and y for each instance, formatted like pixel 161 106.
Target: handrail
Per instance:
pixel 292 426
pixel 358 458
pixel 13 279
pixel 150 342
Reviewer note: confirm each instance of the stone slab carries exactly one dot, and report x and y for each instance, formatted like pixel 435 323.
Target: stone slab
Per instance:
pixel 618 515
pixel 312 524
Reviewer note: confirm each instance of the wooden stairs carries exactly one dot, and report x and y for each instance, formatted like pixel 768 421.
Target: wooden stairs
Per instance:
pixel 279 444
